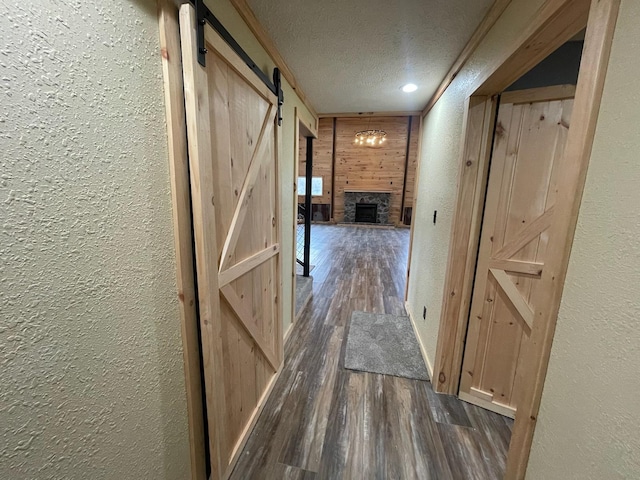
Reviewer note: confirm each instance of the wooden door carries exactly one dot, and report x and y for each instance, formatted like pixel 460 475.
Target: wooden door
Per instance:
pixel 233 144
pixel 529 140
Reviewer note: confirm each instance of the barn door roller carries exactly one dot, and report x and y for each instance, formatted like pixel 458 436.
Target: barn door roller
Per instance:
pixel 203 16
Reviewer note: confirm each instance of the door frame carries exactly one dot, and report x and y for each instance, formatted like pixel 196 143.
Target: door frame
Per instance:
pixel 169 30
pixel 522 98
pixel 555 22
pixel 308 128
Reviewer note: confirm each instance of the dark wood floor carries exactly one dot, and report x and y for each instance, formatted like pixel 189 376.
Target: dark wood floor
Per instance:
pixel 325 422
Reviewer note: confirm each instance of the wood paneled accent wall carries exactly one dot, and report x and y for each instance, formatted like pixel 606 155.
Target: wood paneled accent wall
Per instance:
pixel 379 169
pixel 412 165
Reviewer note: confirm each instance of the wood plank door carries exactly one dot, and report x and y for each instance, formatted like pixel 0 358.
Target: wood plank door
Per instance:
pixel 233 144
pixel 529 140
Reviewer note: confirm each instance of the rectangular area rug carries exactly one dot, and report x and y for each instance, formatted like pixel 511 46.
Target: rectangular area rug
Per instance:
pixel 386 344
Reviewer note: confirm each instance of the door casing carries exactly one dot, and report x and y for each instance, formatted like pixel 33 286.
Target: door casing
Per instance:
pixel 305 129
pixel 169 30
pixel 528 142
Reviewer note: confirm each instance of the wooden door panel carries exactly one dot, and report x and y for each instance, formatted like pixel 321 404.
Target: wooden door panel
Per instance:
pixel 238 365
pixel 217 72
pixel 233 138
pixel 246 200
pixel 528 144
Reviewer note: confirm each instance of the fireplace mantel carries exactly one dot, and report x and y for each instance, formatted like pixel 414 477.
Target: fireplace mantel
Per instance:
pixel 367 191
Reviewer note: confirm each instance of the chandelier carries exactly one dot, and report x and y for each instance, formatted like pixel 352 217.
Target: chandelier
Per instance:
pixel 370 138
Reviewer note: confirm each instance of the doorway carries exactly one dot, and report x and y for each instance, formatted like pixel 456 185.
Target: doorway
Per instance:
pixel 555 25
pixel 528 144
pixel 302 288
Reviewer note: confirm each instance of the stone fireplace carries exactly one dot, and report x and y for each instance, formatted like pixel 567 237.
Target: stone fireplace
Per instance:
pixel 367 207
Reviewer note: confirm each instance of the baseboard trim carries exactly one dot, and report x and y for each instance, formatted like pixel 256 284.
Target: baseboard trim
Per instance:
pixel 287 334
pixel 423 350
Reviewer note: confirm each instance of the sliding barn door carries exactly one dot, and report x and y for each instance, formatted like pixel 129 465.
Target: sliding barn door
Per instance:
pixel 232 136
pixel 529 140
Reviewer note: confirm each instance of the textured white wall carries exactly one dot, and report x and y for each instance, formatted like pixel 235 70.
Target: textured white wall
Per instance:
pixel 91 378
pixel 439 167
pixel 590 413
pixel 91 375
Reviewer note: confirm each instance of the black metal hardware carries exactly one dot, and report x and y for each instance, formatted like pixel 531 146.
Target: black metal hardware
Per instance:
pixel 333 168
pixel 307 207
pixel 435 215
pixel 406 167
pixel 303 229
pixel 277 82
pixel 204 15
pixel 200 21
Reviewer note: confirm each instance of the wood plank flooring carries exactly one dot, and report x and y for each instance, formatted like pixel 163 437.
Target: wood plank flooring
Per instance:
pixel 325 422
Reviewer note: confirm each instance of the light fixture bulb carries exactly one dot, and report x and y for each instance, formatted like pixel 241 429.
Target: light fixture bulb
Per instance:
pixel 370 137
pixel 409 87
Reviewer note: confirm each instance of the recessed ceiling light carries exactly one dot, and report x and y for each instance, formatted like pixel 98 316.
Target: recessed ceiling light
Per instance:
pixel 409 87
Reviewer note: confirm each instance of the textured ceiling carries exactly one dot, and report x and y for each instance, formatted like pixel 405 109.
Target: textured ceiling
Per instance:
pixel 354 56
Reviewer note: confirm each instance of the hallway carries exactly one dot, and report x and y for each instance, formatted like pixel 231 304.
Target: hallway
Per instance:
pixel 323 421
